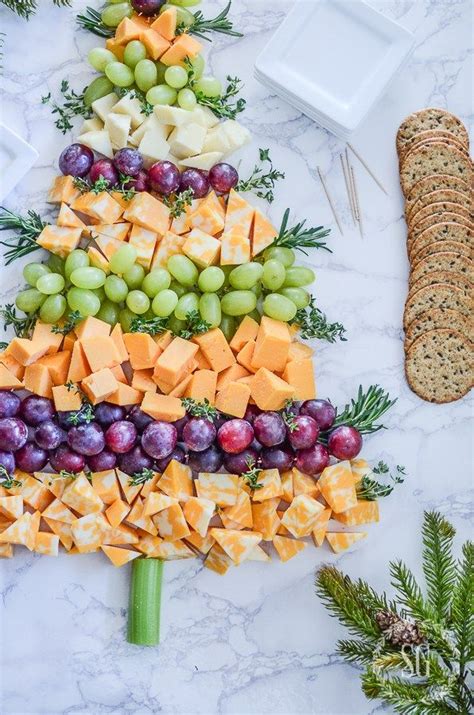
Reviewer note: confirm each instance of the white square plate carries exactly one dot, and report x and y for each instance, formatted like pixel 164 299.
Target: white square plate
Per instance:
pixel 335 56
pixel 16 158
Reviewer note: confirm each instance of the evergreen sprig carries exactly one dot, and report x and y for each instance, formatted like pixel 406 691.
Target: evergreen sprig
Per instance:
pixel 299 237
pixel 261 181
pixel 91 20
pixel 414 678
pixel 27 229
pixel 202 27
pixel 27 8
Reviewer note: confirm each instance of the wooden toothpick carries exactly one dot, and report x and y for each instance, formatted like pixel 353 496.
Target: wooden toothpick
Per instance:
pixel 367 168
pixel 356 203
pixel 348 186
pixel 323 183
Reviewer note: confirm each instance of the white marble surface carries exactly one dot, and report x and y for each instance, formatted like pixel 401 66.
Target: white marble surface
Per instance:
pixel 257 640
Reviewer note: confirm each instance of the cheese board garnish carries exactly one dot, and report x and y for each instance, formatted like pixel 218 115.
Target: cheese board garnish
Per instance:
pixel 261 182
pixel 74 105
pixel 91 20
pixel 202 26
pixel 298 237
pixel 27 228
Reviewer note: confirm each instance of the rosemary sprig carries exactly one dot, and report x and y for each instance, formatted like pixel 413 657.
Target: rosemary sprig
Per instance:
pixel 72 320
pixel 73 106
pixel 85 414
pixel 222 106
pixel 141 477
pixel 199 409
pixel 364 412
pixel 288 415
pixel 6 479
pixel 22 327
pixel 201 27
pixel 313 323
pixel 91 20
pixel 298 237
pixel 145 107
pixel 261 182
pixel 252 474
pixel 27 229
pixel 195 325
pixel 152 326
pixel 177 203
pixel 370 489
pixel 27 8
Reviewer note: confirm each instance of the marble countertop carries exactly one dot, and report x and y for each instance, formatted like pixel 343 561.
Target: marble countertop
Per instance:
pixel 257 640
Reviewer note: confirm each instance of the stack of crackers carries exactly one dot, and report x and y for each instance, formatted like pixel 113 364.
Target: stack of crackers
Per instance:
pixel 436 176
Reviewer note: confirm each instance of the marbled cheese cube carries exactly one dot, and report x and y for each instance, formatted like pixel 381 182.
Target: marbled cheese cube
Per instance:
pixel 237 544
pixel 301 515
pixel 222 489
pixel 202 248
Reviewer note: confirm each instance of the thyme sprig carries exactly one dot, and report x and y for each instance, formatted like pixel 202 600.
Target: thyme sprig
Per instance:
pixel 27 229
pixel 22 327
pixel 364 412
pixel 199 409
pixel 91 20
pixel 252 474
pixel 177 203
pixel 262 181
pixel 288 416
pixel 73 106
pixel 201 27
pixel 141 477
pixel 145 107
pixel 298 237
pixel 195 325
pixel 7 481
pixel 371 489
pixel 72 320
pixel 313 324
pixel 102 184
pixel 152 326
pixel 85 414
pixel 222 106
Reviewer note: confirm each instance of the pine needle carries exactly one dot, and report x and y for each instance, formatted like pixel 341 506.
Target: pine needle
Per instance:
pixel 462 616
pixel 27 8
pixel 438 563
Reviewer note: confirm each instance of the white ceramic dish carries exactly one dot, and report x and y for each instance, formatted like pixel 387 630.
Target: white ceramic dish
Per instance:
pixel 16 158
pixel 335 58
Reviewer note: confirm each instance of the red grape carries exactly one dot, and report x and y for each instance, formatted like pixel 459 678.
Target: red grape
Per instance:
pixel 164 177
pixel 280 458
pixel 180 425
pixel 235 436
pixel 76 160
pixel 13 434
pixel 128 161
pixel 7 461
pixel 105 169
pixel 196 180
pixel 345 442
pixel 239 463
pixel 86 439
pixel 251 413
pixel 31 458
pixel 139 418
pixel 198 434
pixel 223 177
pixel 178 454
pixel 67 459
pixel 9 403
pixel 147 7
pixel 139 182
pixel 320 410
pixel 313 460
pixel 102 461
pixel 305 434
pixel 135 461
pixel 35 410
pixel 269 428
pixel 48 435
pixel 210 460
pixel 106 413
pixel 121 436
pixel 159 439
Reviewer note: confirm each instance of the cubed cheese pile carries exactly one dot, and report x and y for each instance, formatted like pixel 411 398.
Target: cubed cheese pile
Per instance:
pixel 209 232
pixel 174 516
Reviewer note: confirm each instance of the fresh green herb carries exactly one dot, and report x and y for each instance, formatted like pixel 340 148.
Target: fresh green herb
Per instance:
pixel 27 229
pixel 73 106
pixel 416 649
pixel 261 182
pixel 22 327
pixel 145 107
pixel 101 184
pixel 222 106
pixel 177 203
pixel 298 237
pixel 201 27
pixel 199 409
pixel 72 320
pixel 313 323
pixel 141 477
pixel 252 474
pixel 6 480
pixel 363 412
pixel 91 20
pixel 370 489
pixel 65 474
pixel 86 413
pixel 3 345
pixel 288 415
pixel 195 325
pixel 152 326
pixel 127 193
pixel 27 8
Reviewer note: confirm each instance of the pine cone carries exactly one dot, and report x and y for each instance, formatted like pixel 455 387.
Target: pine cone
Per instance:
pixel 385 619
pixel 398 631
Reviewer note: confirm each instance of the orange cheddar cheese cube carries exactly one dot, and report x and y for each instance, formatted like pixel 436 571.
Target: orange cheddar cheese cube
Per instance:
pixel 271 485
pixel 235 247
pixel 117 337
pixel 233 399
pixel 149 544
pixel 62 530
pixel 231 374
pixel 148 212
pixel 364 512
pixel 336 484
pixel 237 544
pixel 47 544
pixel 174 362
pixel 6 551
pixel 269 391
pixel 59 512
pixel 198 513
pixel 222 489
pixel 181 387
pixel 217 560
pixel 137 519
pixel 21 532
pixel 202 386
pixel 142 380
pixel 165 24
pixel 144 241
pixel 12 365
pixel 78 367
pixel 119 374
pixel 320 527
pixel 117 512
pixel 125 395
pixel 177 481
pixel 241 511
pixel 150 485
pixel 245 356
pixel 272 345
pixel 155 44
pixel 162 407
pixel 100 352
pixel 105 484
pixel 57 366
pixel 121 534
pixel 81 497
pixel 8 381
pixel 142 350
pixel 202 248
pixel 92 328
pixel 180 224
pixel 115 47
pixel 38 380
pixel 304 484
pixel 300 374
pixel 286 547
pixel 43 335
pixel 170 245
pixel 118 556
pixel 67 218
pixel 263 234
pixel 208 216
pixel 66 400
pixel 100 385
pixel 63 190
pixel 299 351
pixel 184 46
pixel 301 515
pixel 215 349
pixel 130 491
pixel 25 351
pixel 340 541
pixel 108 245
pixel 247 331
pixel 127 30
pixel 171 523
pixel 239 213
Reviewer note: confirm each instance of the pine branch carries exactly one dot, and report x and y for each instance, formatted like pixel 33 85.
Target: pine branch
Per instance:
pixel 405 697
pixel 438 563
pixel 27 8
pixel 462 616
pixel 408 592
pixel 356 651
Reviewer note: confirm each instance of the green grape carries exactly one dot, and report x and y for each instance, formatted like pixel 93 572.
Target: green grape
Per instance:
pixel 115 289
pixel 134 276
pixel 255 315
pixel 184 3
pixel 209 86
pixel 123 258
pixel 197 63
pixel 146 74
pixel 278 307
pixel 239 302
pixel 109 312
pixel 161 94
pixel 50 283
pixel 246 276
pixel 187 99
pixel 125 317
pixel 84 301
pixel 164 303
pixel 280 253
pixel 157 280
pixel 187 303
pixel 299 296
pixel 298 276
pixel 76 259
pixel 228 325
pixel 120 74
pixel 211 279
pixel 88 277
pixel 210 309
pixel 176 325
pixel 138 302
pixel 33 271
pixel 99 58
pixel 273 274
pixel 98 88
pixel 227 271
pixel 112 15
pixel 99 292
pixel 183 269
pixel 176 77
pixel 257 289
pixel 56 263
pixel 160 69
pixel 183 16
pixel 178 288
pixel 53 309
pixel 134 52
pixel 29 300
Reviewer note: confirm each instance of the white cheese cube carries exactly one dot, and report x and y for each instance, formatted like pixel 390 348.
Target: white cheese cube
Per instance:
pixel 91 125
pixel 237 134
pixel 153 148
pixel 173 115
pixel 205 116
pixel 203 161
pixel 118 126
pixel 98 141
pixel 217 141
pixel 132 107
pixel 104 105
pixel 174 160
pixel 151 122
pixel 187 140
